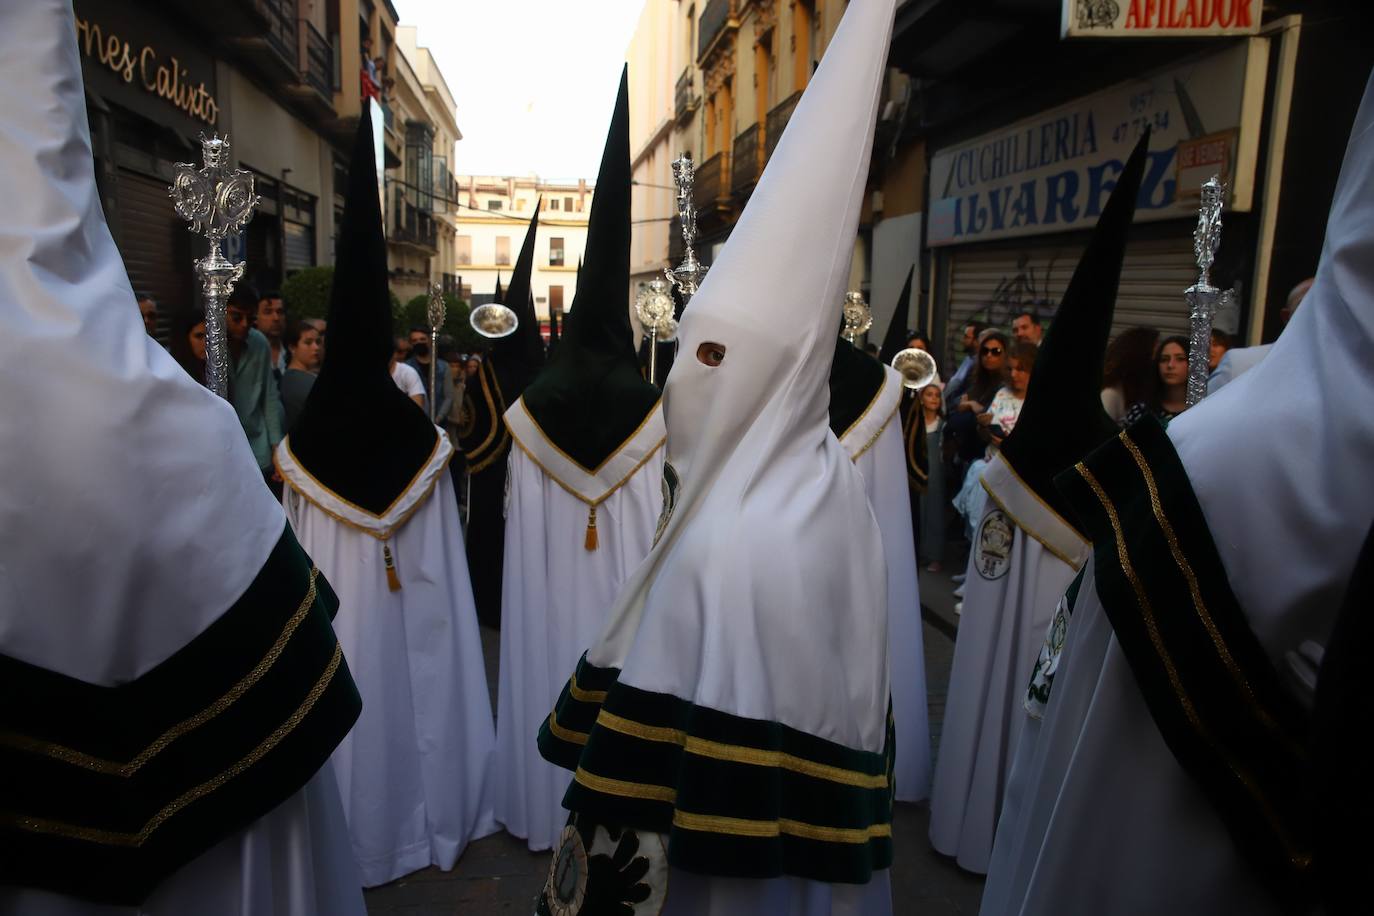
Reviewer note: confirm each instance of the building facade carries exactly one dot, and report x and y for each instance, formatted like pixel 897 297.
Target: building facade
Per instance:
pixel 281 78
pixel 491 217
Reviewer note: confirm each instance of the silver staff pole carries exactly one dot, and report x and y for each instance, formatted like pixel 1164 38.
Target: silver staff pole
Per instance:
pixel 216 201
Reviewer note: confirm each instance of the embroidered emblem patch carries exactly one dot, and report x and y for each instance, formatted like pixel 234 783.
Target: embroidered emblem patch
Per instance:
pixel 992 545
pixel 669 500
pixel 467 417
pixel 605 870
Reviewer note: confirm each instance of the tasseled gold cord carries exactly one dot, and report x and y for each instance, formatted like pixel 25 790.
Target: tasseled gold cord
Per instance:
pixel 590 543
pixel 393 581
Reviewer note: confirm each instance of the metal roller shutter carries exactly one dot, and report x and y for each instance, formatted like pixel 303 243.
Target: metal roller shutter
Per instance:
pixel 991 283
pixel 155 244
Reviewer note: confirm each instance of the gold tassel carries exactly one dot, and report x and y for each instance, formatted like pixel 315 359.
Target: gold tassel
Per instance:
pixel 590 542
pixel 393 581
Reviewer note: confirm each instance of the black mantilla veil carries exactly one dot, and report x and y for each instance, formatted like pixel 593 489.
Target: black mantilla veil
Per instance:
pixel 590 397
pixel 1063 420
pixel 359 435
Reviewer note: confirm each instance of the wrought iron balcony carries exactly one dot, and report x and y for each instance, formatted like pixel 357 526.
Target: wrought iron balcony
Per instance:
pixel 712 182
pixel 316 61
pixel 281 29
pixel 684 103
pixel 777 120
pixel 715 19
pixel 413 226
pixel 744 170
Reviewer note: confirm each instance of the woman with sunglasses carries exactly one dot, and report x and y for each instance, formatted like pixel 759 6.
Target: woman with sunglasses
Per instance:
pixel 989 375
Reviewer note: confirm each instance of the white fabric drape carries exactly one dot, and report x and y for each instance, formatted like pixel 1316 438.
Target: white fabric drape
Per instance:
pixel 1001 630
pixel 555 598
pixel 693 895
pixel 883 466
pixel 415 771
pixel 293 861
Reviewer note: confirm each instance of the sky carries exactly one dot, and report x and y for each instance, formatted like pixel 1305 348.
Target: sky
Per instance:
pixel 534 80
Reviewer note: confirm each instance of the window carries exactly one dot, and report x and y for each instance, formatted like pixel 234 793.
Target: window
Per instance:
pixel 553 203
pixel 503 249
pixel 579 204
pixel 463 249
pixel 520 204
pixel 555 252
pixel 556 299
pixel 494 204
pixel 567 204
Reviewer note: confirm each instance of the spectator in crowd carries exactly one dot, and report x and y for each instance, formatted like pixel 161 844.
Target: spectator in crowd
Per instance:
pixel 1221 342
pixel 271 323
pixel 307 353
pixel 1240 359
pixel 405 377
pixel 473 366
pixel 420 358
pixel 918 340
pixel 188 342
pixel 1026 327
pixel 959 383
pixel 994 425
pixel 147 307
pixel 320 325
pixel 1167 397
pixel 986 380
pixel 370 79
pixel 1128 371
pixel 252 385
pixel 932 506
pixel 1000 419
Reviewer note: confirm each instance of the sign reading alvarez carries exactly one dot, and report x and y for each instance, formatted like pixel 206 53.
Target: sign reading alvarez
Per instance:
pixel 165 78
pixel 1159 18
pixel 1052 172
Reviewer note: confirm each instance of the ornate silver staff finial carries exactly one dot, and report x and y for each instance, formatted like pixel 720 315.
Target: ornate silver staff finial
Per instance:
pixel 688 275
pixel 437 313
pixel 654 308
pixel 858 317
pixel 1204 298
pixel 216 201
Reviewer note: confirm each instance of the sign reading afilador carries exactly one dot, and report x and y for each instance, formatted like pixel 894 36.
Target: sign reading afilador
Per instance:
pixel 1159 18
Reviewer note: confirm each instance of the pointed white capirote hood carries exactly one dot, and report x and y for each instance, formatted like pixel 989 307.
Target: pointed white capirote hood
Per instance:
pixel 770 569
pixel 1279 459
pixel 132 513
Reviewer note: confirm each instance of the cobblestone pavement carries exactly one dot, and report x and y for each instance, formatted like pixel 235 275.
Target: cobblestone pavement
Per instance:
pixel 498 875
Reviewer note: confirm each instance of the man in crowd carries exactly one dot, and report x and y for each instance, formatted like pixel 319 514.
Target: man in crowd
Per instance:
pixel 252 383
pixel 147 307
pixel 1026 326
pixel 959 382
pixel 419 361
pixel 271 322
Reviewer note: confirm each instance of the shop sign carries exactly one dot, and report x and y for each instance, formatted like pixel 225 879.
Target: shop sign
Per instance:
pixel 142 65
pixel 1053 172
pixel 1160 18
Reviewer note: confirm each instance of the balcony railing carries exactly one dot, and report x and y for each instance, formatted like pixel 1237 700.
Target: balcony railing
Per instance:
pixel 744 171
pixel 714 18
pixel 450 284
pixel 683 103
pixel 413 226
pixel 711 181
pixel 316 61
pixel 777 120
pixel 281 28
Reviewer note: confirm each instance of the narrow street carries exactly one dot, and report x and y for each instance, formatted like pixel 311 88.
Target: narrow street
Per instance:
pixel 498 875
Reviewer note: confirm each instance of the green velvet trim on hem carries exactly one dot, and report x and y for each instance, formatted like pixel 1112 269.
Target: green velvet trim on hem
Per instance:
pixel 737 797
pixel 110 789
pixel 1213 692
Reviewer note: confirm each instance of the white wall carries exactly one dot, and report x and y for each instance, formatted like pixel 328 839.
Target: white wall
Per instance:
pixel 896 245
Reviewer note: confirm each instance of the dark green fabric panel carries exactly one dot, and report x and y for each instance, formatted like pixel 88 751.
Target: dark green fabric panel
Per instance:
pixel 704 784
pixel 210 781
pixel 1238 733
pixel 856 379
